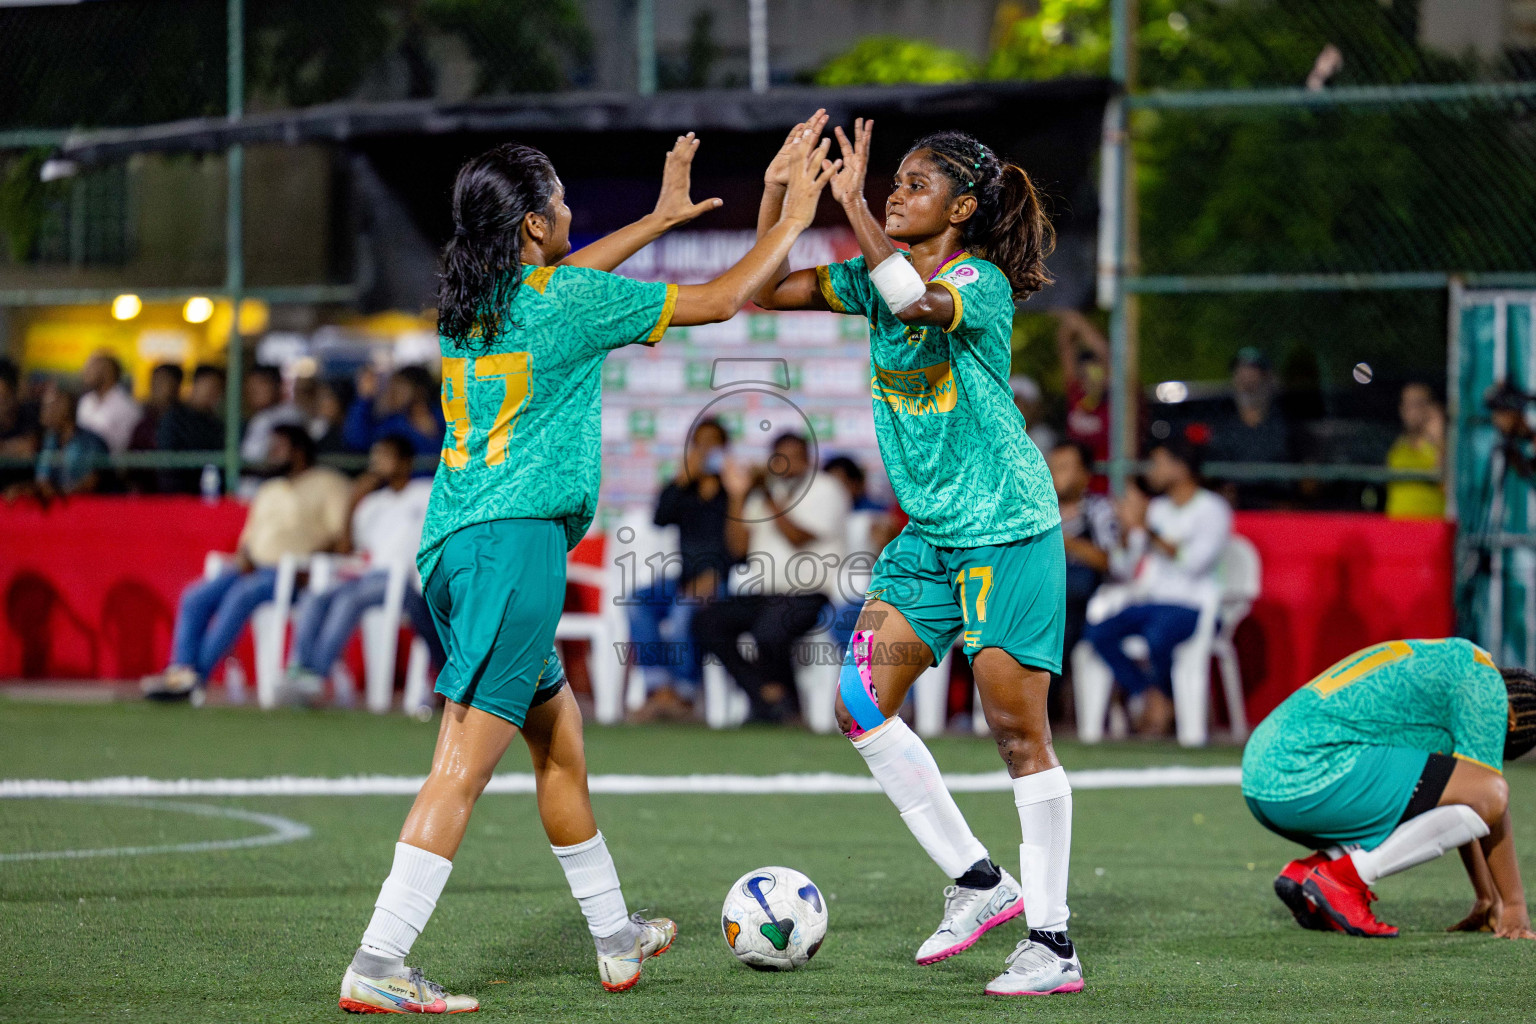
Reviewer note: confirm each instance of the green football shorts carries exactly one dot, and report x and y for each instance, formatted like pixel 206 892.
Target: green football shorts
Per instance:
pixel 1010 596
pixel 496 596
pixel 1362 807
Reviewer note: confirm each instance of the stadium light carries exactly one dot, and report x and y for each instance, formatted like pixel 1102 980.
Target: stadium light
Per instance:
pixel 197 309
pixel 126 307
pixel 1172 392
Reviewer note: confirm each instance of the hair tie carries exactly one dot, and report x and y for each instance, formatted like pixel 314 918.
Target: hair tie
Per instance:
pixel 459 232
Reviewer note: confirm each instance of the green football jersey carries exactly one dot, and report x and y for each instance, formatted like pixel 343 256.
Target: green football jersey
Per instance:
pixel 1439 696
pixel 525 419
pixel 952 440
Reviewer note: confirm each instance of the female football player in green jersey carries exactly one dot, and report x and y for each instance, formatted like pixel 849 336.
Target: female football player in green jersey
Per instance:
pixel 525 326
pixel 982 558
pixel 1385 761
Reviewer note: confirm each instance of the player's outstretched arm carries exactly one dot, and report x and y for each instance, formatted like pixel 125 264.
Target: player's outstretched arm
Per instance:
pixel 720 299
pixel 933 304
pixel 673 208
pixel 786 289
pixel 1486 905
pixel 1514 920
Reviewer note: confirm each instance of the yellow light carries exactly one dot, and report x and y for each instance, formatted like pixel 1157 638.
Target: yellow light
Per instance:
pixel 254 315
pixel 197 309
pixel 126 307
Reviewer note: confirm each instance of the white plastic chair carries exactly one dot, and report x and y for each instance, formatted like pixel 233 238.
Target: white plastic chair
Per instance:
pixel 380 628
pixel 269 623
pixel 624 568
pixel 1092 681
pixel 1241 575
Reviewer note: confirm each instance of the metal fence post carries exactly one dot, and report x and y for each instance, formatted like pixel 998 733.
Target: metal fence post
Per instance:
pixel 234 245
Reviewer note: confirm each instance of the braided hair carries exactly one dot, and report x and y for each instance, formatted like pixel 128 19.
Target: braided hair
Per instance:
pixel 1008 228
pixel 482 262
pixel 1522 711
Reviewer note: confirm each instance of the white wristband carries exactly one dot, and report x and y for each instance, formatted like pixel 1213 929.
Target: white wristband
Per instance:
pixel 897 282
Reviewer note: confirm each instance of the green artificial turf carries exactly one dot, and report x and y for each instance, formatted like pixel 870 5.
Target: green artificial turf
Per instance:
pixel 1171 896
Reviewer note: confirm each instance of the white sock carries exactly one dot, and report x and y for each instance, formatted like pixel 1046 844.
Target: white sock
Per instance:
pixel 594 882
pixel 1044 801
pixel 1420 839
pixel 406 901
pixel 910 777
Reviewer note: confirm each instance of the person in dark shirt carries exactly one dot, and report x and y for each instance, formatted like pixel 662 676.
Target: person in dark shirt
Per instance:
pixel 408 405
pixel 71 458
pixel 193 426
pixel 164 395
pixel 695 502
pixel 20 434
pixel 1253 430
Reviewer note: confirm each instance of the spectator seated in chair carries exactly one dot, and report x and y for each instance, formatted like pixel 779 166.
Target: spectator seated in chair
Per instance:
pixel 20 432
pixel 786 522
pixel 300 511
pixel 1170 549
pixel 695 502
pixel 389 509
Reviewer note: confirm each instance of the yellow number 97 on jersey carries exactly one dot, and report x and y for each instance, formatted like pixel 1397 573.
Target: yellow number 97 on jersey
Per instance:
pixel 514 370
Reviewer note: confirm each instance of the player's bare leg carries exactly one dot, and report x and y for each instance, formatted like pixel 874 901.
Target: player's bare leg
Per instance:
pixel 883 661
pixel 470 744
pixel 1013 696
pixel 553 734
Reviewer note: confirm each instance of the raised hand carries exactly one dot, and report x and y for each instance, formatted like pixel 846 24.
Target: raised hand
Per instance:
pixel 848 184
pixel 674 206
pixel 809 172
pixel 778 171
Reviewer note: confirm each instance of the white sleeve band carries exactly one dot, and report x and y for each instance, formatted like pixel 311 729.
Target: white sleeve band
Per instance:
pixel 898 282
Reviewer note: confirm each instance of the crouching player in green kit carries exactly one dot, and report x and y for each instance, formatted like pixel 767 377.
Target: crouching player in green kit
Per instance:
pixel 1387 760
pixel 525 326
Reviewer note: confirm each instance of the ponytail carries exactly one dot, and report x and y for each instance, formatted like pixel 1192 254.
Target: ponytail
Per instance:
pixel 482 262
pixel 1009 227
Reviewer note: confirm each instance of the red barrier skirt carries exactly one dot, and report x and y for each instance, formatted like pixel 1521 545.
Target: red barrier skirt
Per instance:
pixel 1334 583
pixel 89 587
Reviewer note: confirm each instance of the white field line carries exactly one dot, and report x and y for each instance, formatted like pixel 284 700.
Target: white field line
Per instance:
pixel 787 783
pixel 283 830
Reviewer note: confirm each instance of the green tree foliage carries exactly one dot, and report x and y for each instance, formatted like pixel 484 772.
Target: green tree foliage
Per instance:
pixel 890 60
pixel 1266 190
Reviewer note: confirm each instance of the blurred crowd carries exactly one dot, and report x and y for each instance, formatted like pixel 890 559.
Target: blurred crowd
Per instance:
pixel 741 527
pixel 68 431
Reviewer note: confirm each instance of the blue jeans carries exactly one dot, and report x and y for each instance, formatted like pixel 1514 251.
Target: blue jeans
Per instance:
pixel 213 612
pixel 678 661
pixel 326 621
pixel 1163 626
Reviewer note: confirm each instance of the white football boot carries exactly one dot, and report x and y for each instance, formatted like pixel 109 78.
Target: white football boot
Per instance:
pixel 1034 969
pixel 403 992
pixel 652 938
pixel 968 914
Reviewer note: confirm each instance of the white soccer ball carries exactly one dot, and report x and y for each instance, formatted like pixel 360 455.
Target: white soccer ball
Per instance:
pixel 774 919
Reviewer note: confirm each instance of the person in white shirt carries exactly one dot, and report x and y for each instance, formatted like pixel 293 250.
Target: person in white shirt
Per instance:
pixel 389 510
pixel 107 409
pixel 785 526
pixel 1170 549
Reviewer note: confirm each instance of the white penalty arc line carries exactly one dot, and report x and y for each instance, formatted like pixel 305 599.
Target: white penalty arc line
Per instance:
pixel 791 784
pixel 282 830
